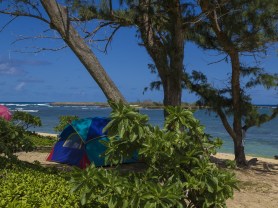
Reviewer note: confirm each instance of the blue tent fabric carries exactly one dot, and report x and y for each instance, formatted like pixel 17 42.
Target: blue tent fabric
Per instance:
pixel 95 146
pixel 96 129
pixel 82 127
pixel 80 143
pixel 67 155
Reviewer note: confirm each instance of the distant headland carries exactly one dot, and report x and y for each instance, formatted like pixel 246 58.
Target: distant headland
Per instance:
pixel 144 104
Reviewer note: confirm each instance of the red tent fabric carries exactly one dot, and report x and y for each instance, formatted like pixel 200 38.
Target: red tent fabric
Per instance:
pixel 5 113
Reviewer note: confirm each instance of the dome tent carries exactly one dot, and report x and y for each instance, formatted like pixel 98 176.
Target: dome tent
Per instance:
pixel 79 143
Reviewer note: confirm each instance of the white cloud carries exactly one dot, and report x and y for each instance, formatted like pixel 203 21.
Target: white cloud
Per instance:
pixel 7 69
pixel 20 86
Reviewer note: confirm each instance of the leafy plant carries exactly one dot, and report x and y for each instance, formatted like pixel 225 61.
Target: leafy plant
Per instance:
pixel 231 164
pixel 178 169
pixel 127 190
pixel 29 185
pixel 14 136
pixel 25 120
pixel 12 139
pixel 63 122
pixel 41 141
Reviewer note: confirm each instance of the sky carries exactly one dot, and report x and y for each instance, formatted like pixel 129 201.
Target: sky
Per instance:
pixel 52 76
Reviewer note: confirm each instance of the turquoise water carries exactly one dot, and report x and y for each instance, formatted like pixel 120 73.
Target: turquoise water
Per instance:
pixel 262 141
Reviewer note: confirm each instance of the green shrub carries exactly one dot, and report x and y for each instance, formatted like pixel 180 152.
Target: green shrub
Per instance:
pixel 14 134
pixel 30 188
pixel 12 139
pixel 231 164
pixel 29 185
pixel 41 141
pixel 25 120
pixel 63 122
pixel 178 174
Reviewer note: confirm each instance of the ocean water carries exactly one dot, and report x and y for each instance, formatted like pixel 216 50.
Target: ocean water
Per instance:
pixel 260 141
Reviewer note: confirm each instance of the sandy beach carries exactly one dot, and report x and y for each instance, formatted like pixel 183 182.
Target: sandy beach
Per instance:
pixel 258 184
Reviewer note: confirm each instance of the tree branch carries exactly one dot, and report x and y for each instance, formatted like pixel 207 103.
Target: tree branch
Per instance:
pixel 215 62
pixel 22 38
pixel 7 24
pixel 19 14
pixel 226 123
pixel 38 50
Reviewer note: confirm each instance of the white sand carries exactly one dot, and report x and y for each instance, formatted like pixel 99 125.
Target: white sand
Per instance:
pixel 258 184
pixel 47 134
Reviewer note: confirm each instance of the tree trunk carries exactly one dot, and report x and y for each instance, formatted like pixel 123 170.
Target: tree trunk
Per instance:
pixel 236 97
pixel 172 92
pixel 172 85
pixel 167 55
pixel 230 49
pixel 239 153
pixel 60 22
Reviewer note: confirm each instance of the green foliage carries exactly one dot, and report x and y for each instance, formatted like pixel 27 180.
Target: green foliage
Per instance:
pixel 63 122
pixel 178 169
pixel 231 164
pixel 41 141
pixel 267 80
pixel 25 120
pixel 249 26
pixel 13 135
pixel 254 118
pixel 12 139
pixel 27 185
pixel 219 100
pixel 128 190
pixel 250 33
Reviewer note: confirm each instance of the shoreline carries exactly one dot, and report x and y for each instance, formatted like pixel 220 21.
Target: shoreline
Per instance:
pixel 47 134
pixel 229 156
pixel 219 155
pixel 148 105
pixel 143 104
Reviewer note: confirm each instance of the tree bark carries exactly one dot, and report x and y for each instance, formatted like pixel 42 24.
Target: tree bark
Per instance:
pixel 236 97
pixel 60 22
pixel 172 91
pixel 167 56
pixel 239 153
pixel 176 56
pixel 230 49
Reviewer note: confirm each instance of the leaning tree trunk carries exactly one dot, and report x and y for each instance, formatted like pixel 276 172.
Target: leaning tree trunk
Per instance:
pixel 167 55
pixel 60 21
pixel 236 97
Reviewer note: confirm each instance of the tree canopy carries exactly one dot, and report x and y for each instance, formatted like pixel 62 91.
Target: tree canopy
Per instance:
pixel 236 28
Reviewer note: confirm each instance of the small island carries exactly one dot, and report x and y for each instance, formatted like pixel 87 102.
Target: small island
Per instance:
pixel 143 104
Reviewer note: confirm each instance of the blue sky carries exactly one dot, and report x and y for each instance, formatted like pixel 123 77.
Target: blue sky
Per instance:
pixel 59 76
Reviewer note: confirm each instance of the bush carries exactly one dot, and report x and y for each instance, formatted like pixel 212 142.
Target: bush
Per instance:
pixel 28 185
pixel 41 141
pixel 14 134
pixel 63 122
pixel 34 189
pixel 12 139
pixel 178 174
pixel 25 120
